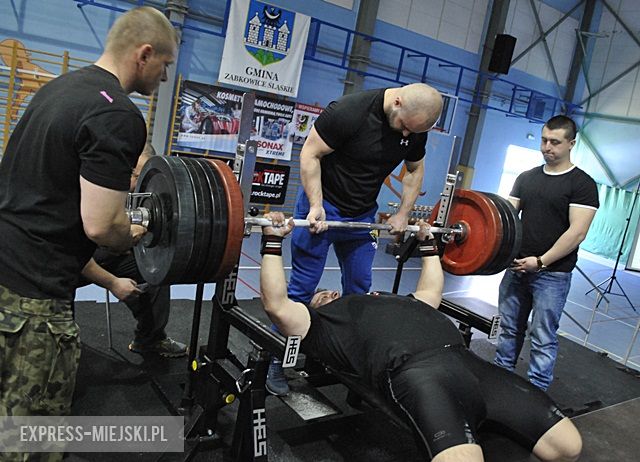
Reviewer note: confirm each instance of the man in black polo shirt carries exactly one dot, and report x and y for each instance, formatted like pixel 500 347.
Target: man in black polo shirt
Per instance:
pixel 353 146
pixel 64 179
pixel 415 358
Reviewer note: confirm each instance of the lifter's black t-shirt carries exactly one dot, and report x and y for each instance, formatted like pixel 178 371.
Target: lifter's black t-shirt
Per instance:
pixel 365 150
pixel 79 124
pixel 371 334
pixel 545 199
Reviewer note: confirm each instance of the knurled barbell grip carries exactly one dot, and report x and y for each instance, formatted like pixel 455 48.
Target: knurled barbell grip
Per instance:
pixel 351 224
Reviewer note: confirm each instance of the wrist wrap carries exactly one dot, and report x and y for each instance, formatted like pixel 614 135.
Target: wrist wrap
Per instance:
pixel 271 245
pixel 428 248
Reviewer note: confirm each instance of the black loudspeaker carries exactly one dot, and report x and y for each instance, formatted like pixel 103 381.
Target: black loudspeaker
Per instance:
pixel 502 53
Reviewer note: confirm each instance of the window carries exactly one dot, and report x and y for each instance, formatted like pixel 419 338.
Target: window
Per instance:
pixel 518 160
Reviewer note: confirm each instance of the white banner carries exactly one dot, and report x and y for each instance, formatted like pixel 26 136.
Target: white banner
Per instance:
pixel 264 47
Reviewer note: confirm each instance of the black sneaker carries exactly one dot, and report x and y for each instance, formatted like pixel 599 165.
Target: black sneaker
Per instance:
pixel 167 347
pixel 276 380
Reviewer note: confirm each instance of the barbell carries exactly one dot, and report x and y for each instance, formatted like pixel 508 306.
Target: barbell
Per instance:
pixel 193 210
pixel 354 225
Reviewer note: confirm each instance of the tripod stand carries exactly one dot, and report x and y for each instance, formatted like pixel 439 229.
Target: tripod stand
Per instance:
pixel 608 283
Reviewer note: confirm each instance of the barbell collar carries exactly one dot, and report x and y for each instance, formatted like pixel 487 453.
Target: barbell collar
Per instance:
pixel 139 216
pixel 254 221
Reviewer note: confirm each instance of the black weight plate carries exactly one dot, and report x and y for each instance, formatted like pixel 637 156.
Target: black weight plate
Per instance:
pixel 516 229
pixel 202 200
pixel 218 239
pixel 165 262
pixel 207 225
pixel 497 264
pixel 511 247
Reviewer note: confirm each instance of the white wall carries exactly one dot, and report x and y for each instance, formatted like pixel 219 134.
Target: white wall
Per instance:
pixel 455 22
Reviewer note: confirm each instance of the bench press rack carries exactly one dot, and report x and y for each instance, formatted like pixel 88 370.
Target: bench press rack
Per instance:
pixel 217 377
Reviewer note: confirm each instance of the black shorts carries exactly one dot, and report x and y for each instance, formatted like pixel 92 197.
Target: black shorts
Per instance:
pixel 449 395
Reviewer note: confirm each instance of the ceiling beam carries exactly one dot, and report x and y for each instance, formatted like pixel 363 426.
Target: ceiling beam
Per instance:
pixel 609 83
pixel 546 48
pixel 633 36
pixel 483 85
pixel 584 138
pixel 579 51
pixel 547 32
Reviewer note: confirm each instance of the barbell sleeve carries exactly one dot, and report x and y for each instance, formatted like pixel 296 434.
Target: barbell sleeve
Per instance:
pixel 254 221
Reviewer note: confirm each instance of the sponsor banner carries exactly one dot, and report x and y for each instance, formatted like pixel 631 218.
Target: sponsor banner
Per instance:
pixel 264 47
pixel 269 184
pixel 210 120
pixel 272 123
pixel 91 434
pixel 209 117
pixel 303 118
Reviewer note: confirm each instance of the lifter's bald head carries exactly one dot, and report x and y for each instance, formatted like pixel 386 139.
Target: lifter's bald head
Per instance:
pixel 414 108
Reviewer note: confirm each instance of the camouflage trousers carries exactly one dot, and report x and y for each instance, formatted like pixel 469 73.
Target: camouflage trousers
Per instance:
pixel 39 356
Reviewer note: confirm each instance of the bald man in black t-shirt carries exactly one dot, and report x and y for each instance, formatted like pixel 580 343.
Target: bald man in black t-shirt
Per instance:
pixel 353 146
pixel 414 357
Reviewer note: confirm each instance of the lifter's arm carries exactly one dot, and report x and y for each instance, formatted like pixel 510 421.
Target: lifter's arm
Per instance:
pixel 431 280
pixel 313 150
pixel 411 184
pixel 292 318
pixel 104 218
pixel 123 288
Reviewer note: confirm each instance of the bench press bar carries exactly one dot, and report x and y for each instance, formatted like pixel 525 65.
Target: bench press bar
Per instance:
pixel 353 225
pixel 142 216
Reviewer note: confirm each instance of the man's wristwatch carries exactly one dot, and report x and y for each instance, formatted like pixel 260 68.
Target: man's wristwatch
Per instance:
pixel 541 265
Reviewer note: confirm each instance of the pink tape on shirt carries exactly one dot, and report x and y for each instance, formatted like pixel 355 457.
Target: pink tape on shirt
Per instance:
pixel 107 97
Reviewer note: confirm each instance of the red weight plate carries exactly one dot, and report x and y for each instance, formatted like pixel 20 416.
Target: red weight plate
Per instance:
pixel 484 233
pixel 235 217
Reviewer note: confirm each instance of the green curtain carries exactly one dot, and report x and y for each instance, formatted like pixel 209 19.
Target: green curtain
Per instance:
pixel 605 234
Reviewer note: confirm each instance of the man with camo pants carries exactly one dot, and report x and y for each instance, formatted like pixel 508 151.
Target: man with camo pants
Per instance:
pixel 33 331
pixel 62 192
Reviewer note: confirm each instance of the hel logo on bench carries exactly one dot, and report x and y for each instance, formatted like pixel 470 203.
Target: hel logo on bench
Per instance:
pixel 259 433
pixel 291 350
pixel 495 327
pixel 229 290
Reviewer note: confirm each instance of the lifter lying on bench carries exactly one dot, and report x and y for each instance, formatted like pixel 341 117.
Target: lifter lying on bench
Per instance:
pixel 415 357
